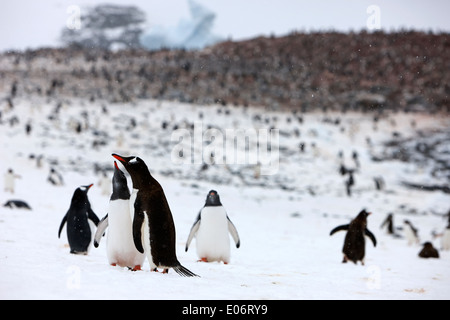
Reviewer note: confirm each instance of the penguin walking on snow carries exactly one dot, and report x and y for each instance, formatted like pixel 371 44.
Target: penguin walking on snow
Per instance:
pixel 78 229
pixel 120 246
pixel 411 233
pixel 354 243
pixel 153 226
pixel 211 229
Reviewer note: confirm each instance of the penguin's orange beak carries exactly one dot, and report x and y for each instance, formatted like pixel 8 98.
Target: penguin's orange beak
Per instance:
pixel 90 185
pixel 115 165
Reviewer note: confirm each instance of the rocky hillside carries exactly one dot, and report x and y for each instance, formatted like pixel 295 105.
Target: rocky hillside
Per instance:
pixel 362 71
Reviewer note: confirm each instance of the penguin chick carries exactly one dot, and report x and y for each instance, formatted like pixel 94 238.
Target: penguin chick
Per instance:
pixel 428 251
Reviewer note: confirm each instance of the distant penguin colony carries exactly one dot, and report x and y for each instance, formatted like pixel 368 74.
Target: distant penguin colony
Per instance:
pixel 78 229
pixel 120 246
pixel 211 229
pixel 153 226
pixel 354 243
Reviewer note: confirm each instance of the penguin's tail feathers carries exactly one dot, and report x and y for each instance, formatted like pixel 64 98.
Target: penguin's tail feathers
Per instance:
pixel 184 272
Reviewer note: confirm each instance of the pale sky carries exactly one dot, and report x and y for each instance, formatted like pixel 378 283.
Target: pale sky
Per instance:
pixel 31 24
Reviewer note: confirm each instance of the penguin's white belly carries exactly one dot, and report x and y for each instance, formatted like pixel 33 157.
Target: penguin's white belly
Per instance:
pixel 145 233
pixel 446 240
pixel 120 245
pixel 212 239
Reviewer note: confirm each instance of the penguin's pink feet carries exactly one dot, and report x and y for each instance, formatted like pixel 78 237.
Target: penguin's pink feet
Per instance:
pixel 113 264
pixel 203 260
pixel 155 270
pixel 165 271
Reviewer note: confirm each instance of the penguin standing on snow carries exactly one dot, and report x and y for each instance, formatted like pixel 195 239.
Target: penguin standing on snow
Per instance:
pixel 55 178
pixel 411 233
pixel 153 226
pixel 120 246
pixel 389 222
pixel 354 243
pixel 10 180
pixel 78 228
pixel 211 229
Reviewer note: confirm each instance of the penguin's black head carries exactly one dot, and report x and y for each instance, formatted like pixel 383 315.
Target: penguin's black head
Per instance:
pixel 80 194
pixel 85 189
pixel 212 199
pixel 137 169
pixel 119 184
pixel 363 214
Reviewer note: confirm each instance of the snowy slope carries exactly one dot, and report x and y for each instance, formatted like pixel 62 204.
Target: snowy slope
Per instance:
pixel 283 220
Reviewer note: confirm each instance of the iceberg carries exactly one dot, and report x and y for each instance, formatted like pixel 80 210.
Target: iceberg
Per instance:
pixel 192 34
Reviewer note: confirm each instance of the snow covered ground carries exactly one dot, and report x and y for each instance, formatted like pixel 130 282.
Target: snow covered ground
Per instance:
pixel 284 220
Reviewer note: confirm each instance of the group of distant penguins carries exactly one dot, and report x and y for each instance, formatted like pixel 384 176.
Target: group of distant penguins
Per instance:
pixel 141 223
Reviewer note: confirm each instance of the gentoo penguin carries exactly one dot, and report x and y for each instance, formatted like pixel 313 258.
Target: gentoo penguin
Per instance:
pixel 19 204
pixel 153 226
pixel 354 243
pixel 428 251
pixel 78 229
pixel 211 229
pixel 120 246
pixel 411 233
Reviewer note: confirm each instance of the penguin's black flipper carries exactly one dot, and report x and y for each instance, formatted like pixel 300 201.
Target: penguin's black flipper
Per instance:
pixel 339 228
pixel 184 272
pixel 93 216
pixel 371 236
pixel 233 231
pixel 62 224
pixel 138 221
pixel 101 227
